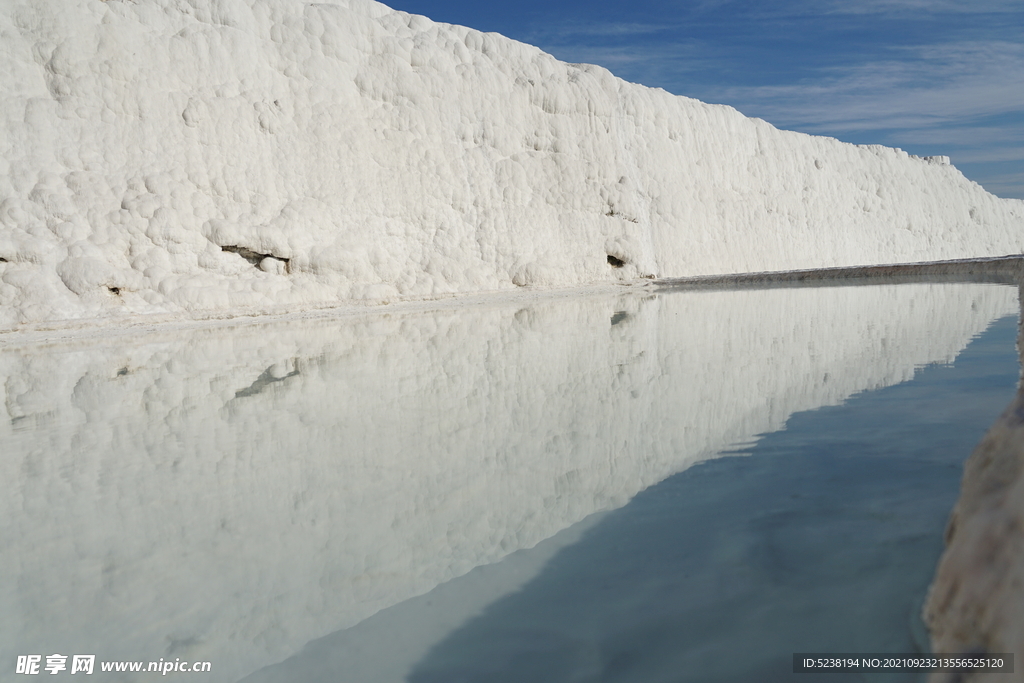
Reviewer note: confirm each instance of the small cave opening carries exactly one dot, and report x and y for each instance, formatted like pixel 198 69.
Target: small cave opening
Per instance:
pixel 615 261
pixel 114 290
pixel 248 254
pixel 253 257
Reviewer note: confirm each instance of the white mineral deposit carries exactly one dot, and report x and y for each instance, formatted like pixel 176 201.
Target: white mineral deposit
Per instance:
pixel 216 157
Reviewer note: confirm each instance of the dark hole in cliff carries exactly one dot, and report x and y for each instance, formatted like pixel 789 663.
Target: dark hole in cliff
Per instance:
pixel 620 316
pixel 253 257
pixel 615 261
pixel 246 253
pixel 114 290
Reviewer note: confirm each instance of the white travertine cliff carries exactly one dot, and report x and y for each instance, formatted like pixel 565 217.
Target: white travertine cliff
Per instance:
pixel 207 157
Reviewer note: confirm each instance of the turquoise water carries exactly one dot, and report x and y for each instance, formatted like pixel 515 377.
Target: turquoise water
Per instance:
pixel 823 539
pixel 820 537
pixel 625 486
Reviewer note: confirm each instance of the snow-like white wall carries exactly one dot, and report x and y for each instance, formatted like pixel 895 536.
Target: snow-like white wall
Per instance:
pixel 230 494
pixel 196 156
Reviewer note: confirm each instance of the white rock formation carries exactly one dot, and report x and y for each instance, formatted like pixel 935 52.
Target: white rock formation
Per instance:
pixel 191 157
pixel 231 494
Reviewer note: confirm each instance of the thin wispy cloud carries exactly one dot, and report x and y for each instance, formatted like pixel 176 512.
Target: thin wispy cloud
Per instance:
pixel 1000 154
pixel 898 9
pixel 579 30
pixel 917 6
pixel 931 86
pixel 1012 135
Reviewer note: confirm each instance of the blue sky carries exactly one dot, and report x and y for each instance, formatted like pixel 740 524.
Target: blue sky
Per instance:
pixel 928 76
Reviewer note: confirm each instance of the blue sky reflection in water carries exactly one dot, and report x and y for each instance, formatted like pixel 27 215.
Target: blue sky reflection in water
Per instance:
pixel 823 540
pixel 928 76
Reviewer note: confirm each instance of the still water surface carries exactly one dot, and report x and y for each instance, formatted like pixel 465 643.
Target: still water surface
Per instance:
pixel 503 492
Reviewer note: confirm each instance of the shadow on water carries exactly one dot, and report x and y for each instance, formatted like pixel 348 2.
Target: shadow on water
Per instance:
pixel 826 541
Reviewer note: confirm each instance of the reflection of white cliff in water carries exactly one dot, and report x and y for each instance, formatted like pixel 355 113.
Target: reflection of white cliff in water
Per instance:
pixel 230 494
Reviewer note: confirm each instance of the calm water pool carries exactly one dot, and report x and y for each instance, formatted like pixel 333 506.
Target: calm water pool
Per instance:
pixel 503 492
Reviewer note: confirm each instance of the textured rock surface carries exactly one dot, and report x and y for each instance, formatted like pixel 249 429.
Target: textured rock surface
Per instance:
pixel 976 603
pixel 197 156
